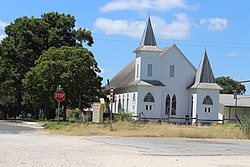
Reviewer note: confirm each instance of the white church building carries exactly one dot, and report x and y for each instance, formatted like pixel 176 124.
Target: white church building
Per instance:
pixel 162 83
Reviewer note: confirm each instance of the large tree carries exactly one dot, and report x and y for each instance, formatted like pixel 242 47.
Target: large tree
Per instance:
pixel 74 68
pixel 26 39
pixel 229 86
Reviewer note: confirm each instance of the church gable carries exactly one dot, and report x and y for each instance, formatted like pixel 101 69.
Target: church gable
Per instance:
pixel 176 67
pixel 177 52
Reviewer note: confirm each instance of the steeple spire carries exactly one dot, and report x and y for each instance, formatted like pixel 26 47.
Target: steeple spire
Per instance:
pixel 148 38
pixel 204 72
pixel 204 76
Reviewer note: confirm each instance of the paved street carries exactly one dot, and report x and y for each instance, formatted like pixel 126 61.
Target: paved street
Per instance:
pixel 22 146
pixel 180 146
pixel 14 128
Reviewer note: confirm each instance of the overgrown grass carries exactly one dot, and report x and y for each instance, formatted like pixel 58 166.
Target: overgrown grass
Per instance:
pixel 146 130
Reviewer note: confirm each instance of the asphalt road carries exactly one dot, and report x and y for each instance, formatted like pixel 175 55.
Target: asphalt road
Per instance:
pixel 180 146
pixel 14 128
pixel 22 146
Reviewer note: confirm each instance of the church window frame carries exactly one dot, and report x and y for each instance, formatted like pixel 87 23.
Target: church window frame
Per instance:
pixel 167 105
pixel 207 100
pixel 149 98
pixel 137 70
pixel 133 98
pixel 127 101
pixel 174 105
pixel 172 71
pixel 150 70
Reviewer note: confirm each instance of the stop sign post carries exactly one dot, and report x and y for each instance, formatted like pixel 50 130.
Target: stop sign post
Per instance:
pixel 59 96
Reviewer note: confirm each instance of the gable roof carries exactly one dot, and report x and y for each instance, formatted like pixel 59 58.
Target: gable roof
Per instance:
pixel 168 48
pixel 126 78
pixel 204 78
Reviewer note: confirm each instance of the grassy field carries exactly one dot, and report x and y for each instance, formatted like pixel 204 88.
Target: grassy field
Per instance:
pixel 228 131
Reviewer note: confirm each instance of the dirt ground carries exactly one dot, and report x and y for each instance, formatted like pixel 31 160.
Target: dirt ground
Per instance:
pixel 32 149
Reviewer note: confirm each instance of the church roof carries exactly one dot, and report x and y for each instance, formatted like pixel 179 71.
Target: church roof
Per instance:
pixel 126 78
pixel 148 42
pixel 204 78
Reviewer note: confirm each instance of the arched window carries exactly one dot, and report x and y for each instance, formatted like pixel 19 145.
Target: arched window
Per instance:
pixel 173 111
pixel 207 100
pixel 149 98
pixel 167 107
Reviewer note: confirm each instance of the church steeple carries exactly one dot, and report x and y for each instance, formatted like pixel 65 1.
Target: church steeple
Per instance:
pixel 148 42
pixel 204 77
pixel 204 72
pixel 148 38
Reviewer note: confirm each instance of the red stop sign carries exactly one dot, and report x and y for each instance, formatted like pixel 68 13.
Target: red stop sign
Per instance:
pixel 59 95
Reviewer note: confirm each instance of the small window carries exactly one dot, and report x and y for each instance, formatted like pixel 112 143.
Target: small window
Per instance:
pixel 150 107
pixel 127 101
pixel 150 70
pixel 172 69
pixel 137 70
pixel 205 109
pixel 209 109
pixel 149 98
pixel 207 100
pixel 146 107
pixel 134 97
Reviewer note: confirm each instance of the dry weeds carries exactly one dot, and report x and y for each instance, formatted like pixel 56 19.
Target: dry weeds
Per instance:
pixel 148 130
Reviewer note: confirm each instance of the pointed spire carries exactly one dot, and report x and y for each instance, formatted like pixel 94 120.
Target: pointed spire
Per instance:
pixel 204 73
pixel 148 38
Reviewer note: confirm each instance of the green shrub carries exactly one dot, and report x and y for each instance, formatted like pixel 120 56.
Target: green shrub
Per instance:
pixel 122 116
pixel 74 116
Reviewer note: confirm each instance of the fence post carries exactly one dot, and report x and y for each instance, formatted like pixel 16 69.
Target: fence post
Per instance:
pixel 223 119
pixel 139 118
pixel 168 117
pixel 196 120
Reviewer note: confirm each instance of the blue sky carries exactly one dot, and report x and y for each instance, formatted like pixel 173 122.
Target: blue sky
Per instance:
pixel 220 26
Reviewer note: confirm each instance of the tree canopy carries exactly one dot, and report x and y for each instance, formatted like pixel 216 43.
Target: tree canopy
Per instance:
pixel 72 67
pixel 229 86
pixel 26 40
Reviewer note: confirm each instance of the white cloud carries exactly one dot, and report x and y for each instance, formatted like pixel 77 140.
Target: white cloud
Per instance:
pixel 232 54
pixel 177 29
pixel 2 36
pixel 214 24
pixel 104 71
pixel 140 5
pixel 3 25
pixel 129 28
